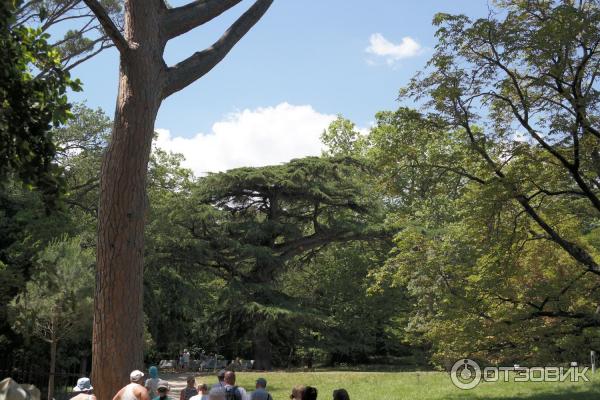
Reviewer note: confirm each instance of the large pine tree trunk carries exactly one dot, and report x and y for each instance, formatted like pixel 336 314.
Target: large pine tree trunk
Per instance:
pixel 118 313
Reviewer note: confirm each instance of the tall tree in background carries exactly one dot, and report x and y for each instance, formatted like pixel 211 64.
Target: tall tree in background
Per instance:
pixel 57 302
pixel 527 79
pixel 248 225
pixel 145 81
pixel 512 105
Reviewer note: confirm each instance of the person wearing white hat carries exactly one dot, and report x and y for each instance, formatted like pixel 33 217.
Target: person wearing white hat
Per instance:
pixel 83 389
pixel 135 390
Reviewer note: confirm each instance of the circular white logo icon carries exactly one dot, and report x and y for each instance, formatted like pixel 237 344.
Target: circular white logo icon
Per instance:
pixel 465 374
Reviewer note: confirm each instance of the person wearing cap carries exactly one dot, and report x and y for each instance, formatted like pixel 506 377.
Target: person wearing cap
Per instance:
pixel 135 390
pixel 221 378
pixel 162 389
pixel 261 391
pixel 83 389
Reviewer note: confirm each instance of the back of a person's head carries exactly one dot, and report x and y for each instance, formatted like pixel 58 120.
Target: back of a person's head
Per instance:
pixel 298 392
pixel 230 378
pixel 341 394
pixel 216 394
pixel 310 393
pixel 153 371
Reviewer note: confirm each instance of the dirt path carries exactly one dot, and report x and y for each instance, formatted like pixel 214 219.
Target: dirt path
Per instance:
pixel 178 381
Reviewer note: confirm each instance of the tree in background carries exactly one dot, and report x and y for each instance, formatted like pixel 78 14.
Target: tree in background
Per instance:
pixel 57 301
pixel 527 81
pixel 467 256
pixel 247 225
pixel 30 105
pixel 145 81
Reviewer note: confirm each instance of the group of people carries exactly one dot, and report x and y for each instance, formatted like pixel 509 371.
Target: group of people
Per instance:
pixel 154 388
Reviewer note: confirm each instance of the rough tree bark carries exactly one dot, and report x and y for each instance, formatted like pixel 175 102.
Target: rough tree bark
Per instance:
pixel 145 80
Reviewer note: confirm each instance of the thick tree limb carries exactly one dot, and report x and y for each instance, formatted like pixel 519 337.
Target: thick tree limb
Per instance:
pixel 191 69
pixel 109 26
pixel 185 18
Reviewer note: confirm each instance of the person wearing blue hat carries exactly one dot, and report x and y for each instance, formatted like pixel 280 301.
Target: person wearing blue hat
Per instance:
pixel 152 382
pixel 84 390
pixel 261 391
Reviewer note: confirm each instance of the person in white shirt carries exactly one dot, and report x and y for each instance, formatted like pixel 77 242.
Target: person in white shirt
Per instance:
pixel 135 390
pixel 202 392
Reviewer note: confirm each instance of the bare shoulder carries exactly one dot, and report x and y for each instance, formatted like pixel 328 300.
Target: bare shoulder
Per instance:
pixel 141 392
pixel 118 395
pixel 139 388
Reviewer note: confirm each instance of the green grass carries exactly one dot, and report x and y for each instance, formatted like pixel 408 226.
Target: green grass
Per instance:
pixel 414 386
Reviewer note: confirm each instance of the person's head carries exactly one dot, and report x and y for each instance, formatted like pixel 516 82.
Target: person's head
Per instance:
pixel 297 393
pixel 136 376
pixel 216 394
pixel 191 381
pixel 341 394
pixel 229 378
pixel 153 371
pixel 203 388
pixel 221 375
pixel 84 385
pixel 261 383
pixel 310 393
pixel 163 389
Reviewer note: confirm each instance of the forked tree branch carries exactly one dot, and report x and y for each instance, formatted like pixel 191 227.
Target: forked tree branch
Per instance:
pixel 109 26
pixel 185 18
pixel 197 65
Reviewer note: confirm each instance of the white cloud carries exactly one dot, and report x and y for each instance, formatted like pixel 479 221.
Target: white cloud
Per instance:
pixel 380 46
pixel 263 136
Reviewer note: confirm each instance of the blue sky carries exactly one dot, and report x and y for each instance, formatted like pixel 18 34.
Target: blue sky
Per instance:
pixel 307 53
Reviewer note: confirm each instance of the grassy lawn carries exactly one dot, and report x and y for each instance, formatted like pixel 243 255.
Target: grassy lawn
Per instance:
pixel 413 386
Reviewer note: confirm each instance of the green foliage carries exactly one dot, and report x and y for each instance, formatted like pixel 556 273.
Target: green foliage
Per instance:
pixel 357 325
pixel 494 185
pixel 83 37
pixel 57 301
pixel 248 226
pixel 31 104
pixel 342 138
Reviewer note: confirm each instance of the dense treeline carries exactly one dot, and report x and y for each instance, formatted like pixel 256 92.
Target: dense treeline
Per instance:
pixel 468 227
